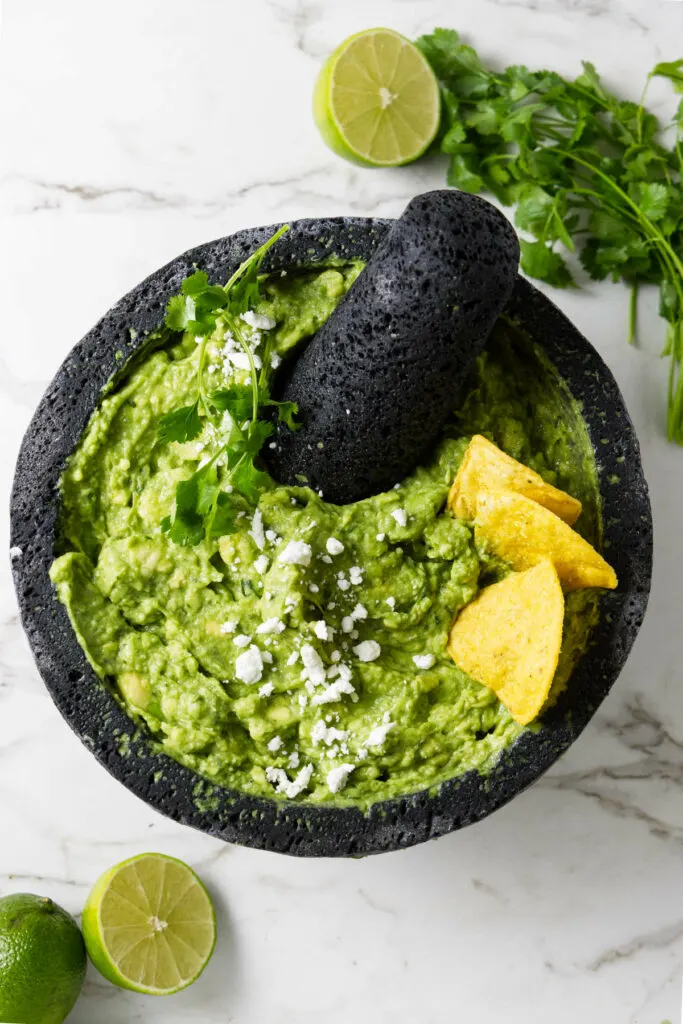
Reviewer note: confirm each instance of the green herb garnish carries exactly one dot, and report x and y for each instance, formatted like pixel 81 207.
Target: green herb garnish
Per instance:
pixel 586 171
pixel 206 504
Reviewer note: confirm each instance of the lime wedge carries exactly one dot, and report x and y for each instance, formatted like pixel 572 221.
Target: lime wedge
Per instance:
pixel 149 925
pixel 376 101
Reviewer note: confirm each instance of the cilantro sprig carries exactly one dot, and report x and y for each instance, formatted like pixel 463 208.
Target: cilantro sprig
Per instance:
pixel 207 503
pixel 586 170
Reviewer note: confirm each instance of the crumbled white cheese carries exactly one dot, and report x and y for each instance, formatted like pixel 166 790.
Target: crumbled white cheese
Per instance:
pixel 401 516
pixel 293 759
pixel 391 601
pixel 379 734
pixel 293 658
pixel 337 778
pixel 271 536
pixel 343 671
pixel 297 552
pixel 314 588
pixel 278 777
pixel 320 733
pixel 326 559
pixel 336 656
pixel 266 655
pixel 242 640
pixel 15 552
pixel 230 626
pixel 322 630
pixel 359 612
pixel 424 660
pixel 367 650
pixel 333 692
pixel 261 564
pixel 258 321
pixel 343 584
pixel 240 360
pixel 273 625
pixel 249 665
pixel 266 690
pixel 380 537
pixel 314 668
pixel 347 624
pixel 274 744
pixel 275 360
pixel 256 532
pixel 334 546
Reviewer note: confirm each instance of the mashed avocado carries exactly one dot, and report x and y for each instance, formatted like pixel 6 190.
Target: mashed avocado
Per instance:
pixel 305 654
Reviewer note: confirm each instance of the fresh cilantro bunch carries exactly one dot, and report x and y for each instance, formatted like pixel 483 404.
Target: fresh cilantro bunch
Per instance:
pixel 586 171
pixel 206 504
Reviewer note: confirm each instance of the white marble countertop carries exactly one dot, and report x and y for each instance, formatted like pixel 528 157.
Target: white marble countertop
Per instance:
pixel 131 131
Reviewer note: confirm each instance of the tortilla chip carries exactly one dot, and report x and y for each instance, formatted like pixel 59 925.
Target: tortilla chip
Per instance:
pixel 509 638
pixel 487 468
pixel 523 533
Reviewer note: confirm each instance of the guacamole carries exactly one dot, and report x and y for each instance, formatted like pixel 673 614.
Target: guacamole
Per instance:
pixel 303 655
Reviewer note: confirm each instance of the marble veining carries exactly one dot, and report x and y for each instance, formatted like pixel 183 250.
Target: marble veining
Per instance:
pixel 134 131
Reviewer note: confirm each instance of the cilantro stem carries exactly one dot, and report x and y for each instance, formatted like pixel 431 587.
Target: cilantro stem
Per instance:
pixel 256 256
pixel 633 314
pixel 239 335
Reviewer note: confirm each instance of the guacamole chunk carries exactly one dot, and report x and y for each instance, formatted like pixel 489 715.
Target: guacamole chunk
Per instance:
pixel 304 655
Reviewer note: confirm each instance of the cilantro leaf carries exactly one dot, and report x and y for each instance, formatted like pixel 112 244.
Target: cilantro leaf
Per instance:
pixel 223 521
pixel 181 425
pixel 195 284
pixel 259 432
pixel 186 525
pixel 652 197
pixel 671 69
pixel 179 311
pixel 286 413
pixel 237 400
pixel 249 480
pixel 540 261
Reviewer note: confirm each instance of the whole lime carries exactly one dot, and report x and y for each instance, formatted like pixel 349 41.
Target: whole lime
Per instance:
pixel 42 960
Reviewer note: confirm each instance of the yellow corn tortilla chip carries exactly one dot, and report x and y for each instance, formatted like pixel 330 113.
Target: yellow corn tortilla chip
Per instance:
pixel 523 533
pixel 487 468
pixel 509 638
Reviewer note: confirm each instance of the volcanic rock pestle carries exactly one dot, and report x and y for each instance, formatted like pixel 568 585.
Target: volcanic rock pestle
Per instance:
pixel 380 378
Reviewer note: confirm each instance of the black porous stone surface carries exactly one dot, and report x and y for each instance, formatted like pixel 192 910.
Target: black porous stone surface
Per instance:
pixel 130 756
pixel 380 378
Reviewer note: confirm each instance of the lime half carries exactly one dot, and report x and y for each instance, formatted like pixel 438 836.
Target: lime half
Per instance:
pixel 376 101
pixel 149 925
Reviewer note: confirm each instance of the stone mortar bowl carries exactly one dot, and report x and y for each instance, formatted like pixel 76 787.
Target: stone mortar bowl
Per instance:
pixel 300 829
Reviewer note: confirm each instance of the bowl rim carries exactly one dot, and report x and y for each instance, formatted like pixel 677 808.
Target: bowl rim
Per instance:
pixel 99 360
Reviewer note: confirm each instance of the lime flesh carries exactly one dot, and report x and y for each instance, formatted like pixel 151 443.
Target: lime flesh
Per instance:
pixel 377 101
pixel 149 925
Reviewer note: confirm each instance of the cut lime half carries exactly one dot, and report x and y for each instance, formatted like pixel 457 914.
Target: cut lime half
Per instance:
pixel 377 101
pixel 149 925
